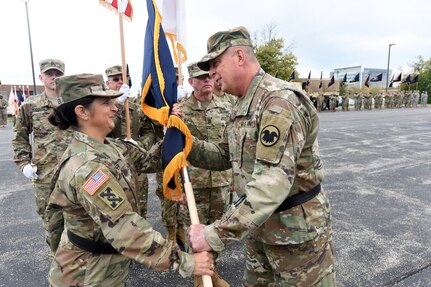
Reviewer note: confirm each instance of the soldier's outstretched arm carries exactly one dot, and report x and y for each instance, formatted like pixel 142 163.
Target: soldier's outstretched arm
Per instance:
pixel 209 155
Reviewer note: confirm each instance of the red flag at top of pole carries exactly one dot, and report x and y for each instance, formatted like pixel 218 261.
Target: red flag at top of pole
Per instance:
pixel 125 7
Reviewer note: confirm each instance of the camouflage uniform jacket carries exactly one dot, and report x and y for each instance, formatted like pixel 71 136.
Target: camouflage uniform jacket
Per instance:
pixel 207 121
pixel 49 141
pixel 272 145
pixel 3 104
pixel 142 129
pixel 96 188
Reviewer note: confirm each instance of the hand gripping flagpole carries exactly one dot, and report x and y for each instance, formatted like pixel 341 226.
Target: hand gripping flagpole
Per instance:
pixel 194 217
pixel 123 68
pixel 188 188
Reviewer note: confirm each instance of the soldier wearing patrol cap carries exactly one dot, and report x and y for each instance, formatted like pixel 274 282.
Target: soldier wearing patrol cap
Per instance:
pixel 206 116
pixel 95 188
pixel 142 129
pixel 38 145
pixel 271 145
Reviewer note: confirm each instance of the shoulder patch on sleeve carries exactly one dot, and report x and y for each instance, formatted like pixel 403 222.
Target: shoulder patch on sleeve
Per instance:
pixel 272 137
pixel 95 182
pixel 111 198
pixel 108 198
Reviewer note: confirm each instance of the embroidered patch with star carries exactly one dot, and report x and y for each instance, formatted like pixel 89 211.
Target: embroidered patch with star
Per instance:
pixel 95 182
pixel 269 135
pixel 112 199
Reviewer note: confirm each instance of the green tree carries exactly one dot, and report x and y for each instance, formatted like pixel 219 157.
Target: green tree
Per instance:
pixel 273 56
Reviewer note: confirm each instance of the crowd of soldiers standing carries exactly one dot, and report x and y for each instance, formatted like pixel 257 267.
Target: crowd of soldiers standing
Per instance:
pixel 366 101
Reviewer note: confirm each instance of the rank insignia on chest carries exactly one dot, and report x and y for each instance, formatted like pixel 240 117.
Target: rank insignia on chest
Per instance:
pixel 112 199
pixel 95 182
pixel 269 135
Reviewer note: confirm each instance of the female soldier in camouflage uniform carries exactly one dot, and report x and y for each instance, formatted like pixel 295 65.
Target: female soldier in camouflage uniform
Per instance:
pixel 96 190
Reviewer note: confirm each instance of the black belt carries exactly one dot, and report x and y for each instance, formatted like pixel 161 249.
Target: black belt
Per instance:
pixel 90 245
pixel 298 199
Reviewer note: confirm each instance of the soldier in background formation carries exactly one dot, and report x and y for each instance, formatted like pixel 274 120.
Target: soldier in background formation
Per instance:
pixel 345 102
pixel 424 98
pixel 333 101
pixel 3 112
pixel 415 99
pixel 378 101
pixel 368 100
pixel 390 100
pixel 38 146
pixel 207 116
pixel 271 145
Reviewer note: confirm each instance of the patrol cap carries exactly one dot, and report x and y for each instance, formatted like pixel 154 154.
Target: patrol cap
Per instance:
pixel 194 70
pixel 74 87
pixel 220 41
pixel 114 71
pixel 49 64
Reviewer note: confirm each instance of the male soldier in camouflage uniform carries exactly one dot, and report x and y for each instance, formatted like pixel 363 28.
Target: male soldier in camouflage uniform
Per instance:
pixel 38 145
pixel 367 101
pixel 333 99
pixel 142 129
pixel 424 99
pixel 95 187
pixel 272 147
pixel 3 112
pixel 206 117
pixel 356 101
pixel 345 102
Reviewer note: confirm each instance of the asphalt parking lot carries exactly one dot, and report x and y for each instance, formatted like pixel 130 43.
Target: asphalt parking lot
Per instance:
pixel 378 166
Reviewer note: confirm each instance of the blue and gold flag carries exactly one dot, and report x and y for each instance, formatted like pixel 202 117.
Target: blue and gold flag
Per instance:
pixel 159 93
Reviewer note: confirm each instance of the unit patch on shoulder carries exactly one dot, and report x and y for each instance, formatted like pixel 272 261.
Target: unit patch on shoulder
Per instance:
pixel 269 135
pixel 95 182
pixel 112 199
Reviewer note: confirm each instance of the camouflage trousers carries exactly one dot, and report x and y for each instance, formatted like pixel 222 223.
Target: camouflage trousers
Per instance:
pixel 3 117
pixel 211 203
pixel 53 222
pixel 142 194
pixel 169 208
pixel 310 263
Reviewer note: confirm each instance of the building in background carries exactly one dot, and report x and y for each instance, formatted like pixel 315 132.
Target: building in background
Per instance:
pixel 352 78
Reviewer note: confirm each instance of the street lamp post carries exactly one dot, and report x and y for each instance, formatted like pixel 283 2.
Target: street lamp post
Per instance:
pixel 387 70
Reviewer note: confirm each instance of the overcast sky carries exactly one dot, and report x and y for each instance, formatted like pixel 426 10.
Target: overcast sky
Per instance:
pixel 324 34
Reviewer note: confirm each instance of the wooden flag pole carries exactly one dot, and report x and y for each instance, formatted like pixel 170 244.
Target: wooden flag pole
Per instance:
pixel 194 217
pixel 191 202
pixel 124 75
